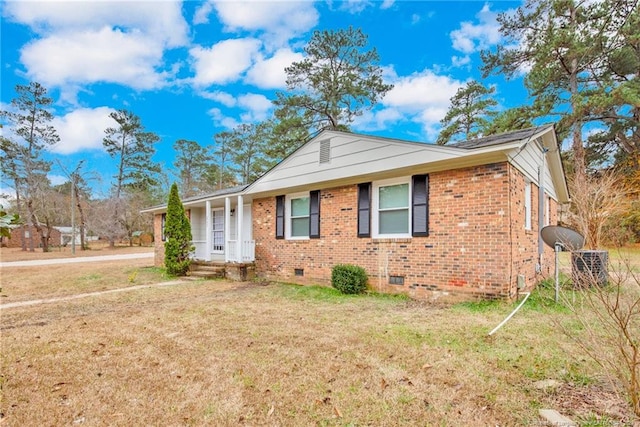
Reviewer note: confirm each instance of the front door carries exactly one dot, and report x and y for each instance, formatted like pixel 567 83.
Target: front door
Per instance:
pixel 218 231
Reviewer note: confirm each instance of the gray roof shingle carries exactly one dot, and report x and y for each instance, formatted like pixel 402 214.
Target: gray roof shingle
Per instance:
pixel 502 138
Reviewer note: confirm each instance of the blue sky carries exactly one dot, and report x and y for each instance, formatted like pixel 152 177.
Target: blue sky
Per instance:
pixel 193 69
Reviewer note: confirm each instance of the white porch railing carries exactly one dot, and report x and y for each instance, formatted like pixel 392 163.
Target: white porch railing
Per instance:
pixel 247 250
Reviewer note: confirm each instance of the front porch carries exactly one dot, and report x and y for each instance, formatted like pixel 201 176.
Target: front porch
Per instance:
pixel 222 231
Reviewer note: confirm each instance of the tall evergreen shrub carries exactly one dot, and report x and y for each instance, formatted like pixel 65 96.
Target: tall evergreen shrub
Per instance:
pixel 177 231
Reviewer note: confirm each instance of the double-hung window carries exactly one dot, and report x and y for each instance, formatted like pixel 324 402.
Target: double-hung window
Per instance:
pixel 391 208
pixel 527 205
pixel 298 216
pixel 394 208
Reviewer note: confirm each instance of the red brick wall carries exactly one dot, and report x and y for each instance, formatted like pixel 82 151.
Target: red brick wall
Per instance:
pixel 15 241
pixel 525 242
pixel 158 245
pixel 473 216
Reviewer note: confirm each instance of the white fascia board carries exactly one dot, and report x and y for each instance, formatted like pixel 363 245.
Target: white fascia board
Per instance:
pixel 195 203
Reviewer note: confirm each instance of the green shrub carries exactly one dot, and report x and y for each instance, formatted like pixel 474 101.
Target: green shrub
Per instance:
pixel 349 279
pixel 177 230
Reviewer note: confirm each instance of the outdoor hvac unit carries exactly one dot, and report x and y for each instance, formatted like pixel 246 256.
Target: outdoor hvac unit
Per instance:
pixel 590 268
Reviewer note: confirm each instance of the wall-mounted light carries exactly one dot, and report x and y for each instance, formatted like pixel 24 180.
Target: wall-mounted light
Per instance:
pixel 233 211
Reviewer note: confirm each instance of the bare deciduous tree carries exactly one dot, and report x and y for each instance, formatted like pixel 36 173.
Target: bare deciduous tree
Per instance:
pixel 613 339
pixel 595 200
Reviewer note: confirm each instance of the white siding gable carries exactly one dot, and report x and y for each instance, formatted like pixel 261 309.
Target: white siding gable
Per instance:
pixel 350 155
pixel 529 159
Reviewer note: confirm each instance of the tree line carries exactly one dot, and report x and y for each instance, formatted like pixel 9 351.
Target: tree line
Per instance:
pixel 580 62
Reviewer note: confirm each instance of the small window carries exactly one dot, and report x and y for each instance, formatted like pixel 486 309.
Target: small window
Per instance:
pixel 298 271
pixel 547 209
pixel 527 206
pixel 396 280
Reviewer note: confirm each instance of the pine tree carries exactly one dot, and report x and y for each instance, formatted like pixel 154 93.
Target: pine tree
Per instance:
pixel 467 116
pixel 177 247
pixel 557 42
pixel 336 82
pixel 31 120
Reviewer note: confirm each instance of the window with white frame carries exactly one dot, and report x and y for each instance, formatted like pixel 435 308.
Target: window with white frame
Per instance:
pixel 297 216
pixel 527 205
pixel 391 208
pixel 547 210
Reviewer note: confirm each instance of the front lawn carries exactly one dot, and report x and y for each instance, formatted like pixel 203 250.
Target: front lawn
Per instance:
pixel 212 353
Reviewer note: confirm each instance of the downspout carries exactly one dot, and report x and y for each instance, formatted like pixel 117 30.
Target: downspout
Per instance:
pixel 510 219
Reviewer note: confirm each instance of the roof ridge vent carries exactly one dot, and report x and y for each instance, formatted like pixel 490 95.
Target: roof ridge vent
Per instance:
pixel 325 151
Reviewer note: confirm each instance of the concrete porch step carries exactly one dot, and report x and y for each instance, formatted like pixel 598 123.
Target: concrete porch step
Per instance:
pixel 206 274
pixel 206 270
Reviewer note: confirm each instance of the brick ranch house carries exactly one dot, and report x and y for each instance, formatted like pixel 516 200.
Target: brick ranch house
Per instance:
pixel 457 222
pixel 30 233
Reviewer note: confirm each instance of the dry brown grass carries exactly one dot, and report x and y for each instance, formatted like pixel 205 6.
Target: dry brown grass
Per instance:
pixel 52 281
pixel 217 353
pixel 96 249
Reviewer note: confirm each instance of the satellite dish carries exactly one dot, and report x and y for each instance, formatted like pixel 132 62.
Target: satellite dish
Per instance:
pixel 566 238
pixel 561 238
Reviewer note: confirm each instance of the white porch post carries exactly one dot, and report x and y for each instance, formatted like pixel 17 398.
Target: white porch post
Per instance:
pixel 227 228
pixel 239 233
pixel 208 231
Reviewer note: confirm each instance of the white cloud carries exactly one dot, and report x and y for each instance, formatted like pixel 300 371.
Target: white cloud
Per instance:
pixel 201 15
pixel 470 37
pixel 220 119
pixel 386 4
pixel 269 73
pixel 378 120
pixel 224 62
pixel 223 98
pixel 258 107
pixel 422 97
pixel 85 42
pixel 254 101
pixel 82 129
pixel 105 55
pixel 280 20
pixel 355 6
pixel 161 19
pixel 57 179
pixel 419 90
pixel 460 61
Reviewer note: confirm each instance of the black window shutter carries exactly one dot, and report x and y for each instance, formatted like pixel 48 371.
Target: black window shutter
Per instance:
pixel 314 214
pixel 420 206
pixel 364 210
pixel 279 217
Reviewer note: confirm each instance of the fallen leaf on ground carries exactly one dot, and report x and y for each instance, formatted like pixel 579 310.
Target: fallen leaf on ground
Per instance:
pixel 337 411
